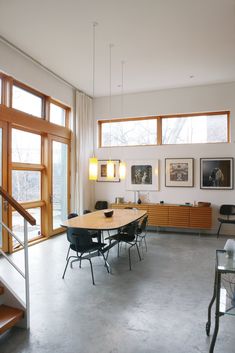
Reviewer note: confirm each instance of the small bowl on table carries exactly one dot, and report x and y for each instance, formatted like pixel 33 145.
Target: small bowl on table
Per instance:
pixel 108 213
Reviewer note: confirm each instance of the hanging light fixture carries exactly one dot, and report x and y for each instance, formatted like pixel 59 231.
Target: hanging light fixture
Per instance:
pixel 110 163
pixel 122 165
pixel 93 162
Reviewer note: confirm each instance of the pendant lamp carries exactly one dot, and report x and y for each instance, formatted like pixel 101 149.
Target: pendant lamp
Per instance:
pixel 93 162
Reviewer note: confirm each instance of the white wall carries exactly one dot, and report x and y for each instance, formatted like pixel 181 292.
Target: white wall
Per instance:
pixel 20 67
pixel 182 100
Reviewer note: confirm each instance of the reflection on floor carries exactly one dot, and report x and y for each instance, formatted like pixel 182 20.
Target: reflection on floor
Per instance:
pixel 159 306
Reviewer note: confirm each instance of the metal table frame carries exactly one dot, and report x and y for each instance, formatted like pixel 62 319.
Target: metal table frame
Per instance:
pixel 219 270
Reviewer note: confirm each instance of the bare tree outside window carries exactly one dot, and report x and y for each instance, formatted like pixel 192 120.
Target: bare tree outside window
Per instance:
pixel 130 133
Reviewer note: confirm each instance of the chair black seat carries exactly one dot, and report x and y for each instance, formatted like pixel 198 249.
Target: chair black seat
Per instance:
pixel 83 249
pixel 223 220
pixel 127 235
pixel 122 236
pixel 226 210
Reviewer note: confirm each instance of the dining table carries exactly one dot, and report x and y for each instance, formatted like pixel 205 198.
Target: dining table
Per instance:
pixel 99 222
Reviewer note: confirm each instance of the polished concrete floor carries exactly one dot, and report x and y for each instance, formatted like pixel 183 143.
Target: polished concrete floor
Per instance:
pixel 158 307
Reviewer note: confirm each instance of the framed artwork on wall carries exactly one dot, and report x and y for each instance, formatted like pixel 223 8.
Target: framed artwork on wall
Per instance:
pixel 142 175
pixel 216 173
pixel 102 171
pixel 179 172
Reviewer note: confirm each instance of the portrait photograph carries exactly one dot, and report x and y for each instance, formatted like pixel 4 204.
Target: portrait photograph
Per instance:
pixel 142 175
pixel 216 173
pixel 179 172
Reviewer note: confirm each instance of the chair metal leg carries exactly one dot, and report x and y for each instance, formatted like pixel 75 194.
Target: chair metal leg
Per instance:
pixel 106 264
pixel 118 251
pixel 219 230
pixel 138 251
pixel 66 267
pixel 129 254
pixel 145 243
pixel 92 274
pixel 68 253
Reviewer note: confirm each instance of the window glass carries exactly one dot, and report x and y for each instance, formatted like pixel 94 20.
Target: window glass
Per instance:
pixel 57 114
pixel 26 185
pixel 59 183
pixel 194 129
pixel 18 225
pixel 26 101
pixel 26 147
pixel 130 133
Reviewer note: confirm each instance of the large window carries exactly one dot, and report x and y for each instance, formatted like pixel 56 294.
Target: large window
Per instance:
pixel 165 130
pixel 57 114
pixel 35 151
pixel 26 147
pixel 195 129
pixel 26 101
pixel 129 132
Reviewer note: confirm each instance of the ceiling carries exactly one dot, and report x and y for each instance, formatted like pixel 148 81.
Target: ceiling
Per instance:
pixel 164 43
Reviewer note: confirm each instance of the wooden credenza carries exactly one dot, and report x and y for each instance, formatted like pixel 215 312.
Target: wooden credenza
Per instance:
pixel 178 216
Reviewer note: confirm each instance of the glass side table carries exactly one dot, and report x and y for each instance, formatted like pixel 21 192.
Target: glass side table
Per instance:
pixel 223 294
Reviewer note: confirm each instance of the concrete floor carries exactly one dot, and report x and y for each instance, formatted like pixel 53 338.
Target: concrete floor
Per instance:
pixel 159 306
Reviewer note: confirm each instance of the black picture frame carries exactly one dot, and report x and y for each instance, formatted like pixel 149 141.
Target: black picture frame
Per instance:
pixel 217 173
pixel 179 172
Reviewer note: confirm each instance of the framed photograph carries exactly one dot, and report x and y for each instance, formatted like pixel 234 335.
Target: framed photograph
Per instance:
pixel 216 173
pixel 102 171
pixel 142 175
pixel 179 172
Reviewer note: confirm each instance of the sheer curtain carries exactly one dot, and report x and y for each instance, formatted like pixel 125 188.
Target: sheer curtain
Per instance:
pixel 83 188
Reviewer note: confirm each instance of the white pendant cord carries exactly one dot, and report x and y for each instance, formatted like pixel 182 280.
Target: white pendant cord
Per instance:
pixel 122 85
pixel 110 91
pixel 93 82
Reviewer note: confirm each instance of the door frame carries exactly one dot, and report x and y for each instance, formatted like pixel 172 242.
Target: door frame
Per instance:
pixel 49 161
pixel 5 237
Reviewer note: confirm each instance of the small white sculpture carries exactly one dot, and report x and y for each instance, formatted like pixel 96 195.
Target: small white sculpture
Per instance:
pixel 230 247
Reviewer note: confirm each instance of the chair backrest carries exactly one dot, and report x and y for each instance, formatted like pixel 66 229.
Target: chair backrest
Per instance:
pixel 86 211
pixel 72 215
pixel 143 224
pixel 80 238
pixel 101 205
pixel 227 210
pixel 131 229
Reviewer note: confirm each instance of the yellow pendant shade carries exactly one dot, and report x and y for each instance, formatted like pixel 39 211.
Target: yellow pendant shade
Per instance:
pixel 93 168
pixel 110 169
pixel 122 170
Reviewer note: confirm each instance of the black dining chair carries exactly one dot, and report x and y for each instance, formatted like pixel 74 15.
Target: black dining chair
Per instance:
pixel 141 231
pixel 101 205
pixel 71 215
pixel 81 242
pixel 128 235
pixel 226 210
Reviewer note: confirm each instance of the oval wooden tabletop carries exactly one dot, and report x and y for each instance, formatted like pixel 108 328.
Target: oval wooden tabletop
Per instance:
pixel 98 221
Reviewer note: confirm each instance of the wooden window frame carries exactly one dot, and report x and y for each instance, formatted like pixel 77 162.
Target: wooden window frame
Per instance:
pixel 223 112
pixel 159 119
pixel 116 120
pixel 15 119
pixel 33 92
pixel 59 104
